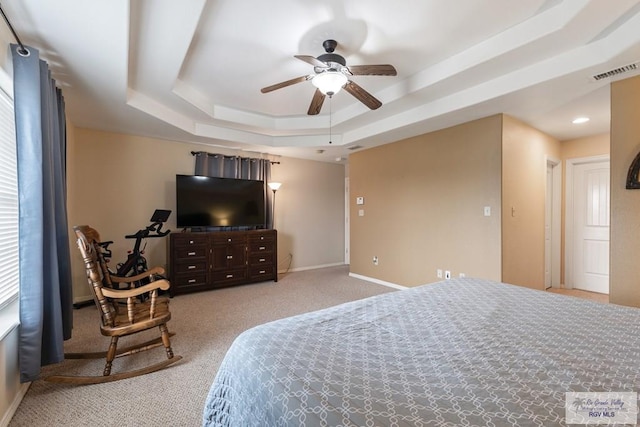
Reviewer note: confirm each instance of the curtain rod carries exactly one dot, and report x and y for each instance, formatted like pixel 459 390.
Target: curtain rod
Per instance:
pixel 22 50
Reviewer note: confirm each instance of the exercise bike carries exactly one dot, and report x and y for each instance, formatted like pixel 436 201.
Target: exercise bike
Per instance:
pixel 136 263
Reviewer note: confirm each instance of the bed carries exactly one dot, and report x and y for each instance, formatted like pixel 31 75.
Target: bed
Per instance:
pixel 459 352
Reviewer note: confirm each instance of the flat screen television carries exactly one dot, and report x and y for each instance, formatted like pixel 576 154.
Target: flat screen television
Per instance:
pixel 219 203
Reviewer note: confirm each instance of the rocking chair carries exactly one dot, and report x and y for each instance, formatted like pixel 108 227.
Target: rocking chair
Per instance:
pixel 116 323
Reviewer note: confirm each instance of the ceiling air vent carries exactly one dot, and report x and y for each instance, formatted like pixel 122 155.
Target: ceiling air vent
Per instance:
pixel 616 71
pixel 355 147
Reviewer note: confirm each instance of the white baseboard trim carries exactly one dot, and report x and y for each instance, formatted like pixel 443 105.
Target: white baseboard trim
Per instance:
pixel 6 419
pixel 313 267
pixel 379 282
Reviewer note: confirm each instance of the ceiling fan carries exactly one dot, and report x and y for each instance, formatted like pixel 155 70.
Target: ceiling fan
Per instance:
pixel 332 74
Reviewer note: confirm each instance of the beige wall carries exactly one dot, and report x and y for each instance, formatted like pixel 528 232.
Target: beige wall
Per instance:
pixel 116 181
pixel 424 205
pixel 525 151
pixel 624 287
pixel 309 213
pixel 589 146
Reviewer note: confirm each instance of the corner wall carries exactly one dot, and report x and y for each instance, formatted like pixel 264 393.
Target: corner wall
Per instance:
pixel 424 200
pixel 624 277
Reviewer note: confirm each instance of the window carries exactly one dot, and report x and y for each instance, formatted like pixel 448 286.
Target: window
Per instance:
pixel 9 273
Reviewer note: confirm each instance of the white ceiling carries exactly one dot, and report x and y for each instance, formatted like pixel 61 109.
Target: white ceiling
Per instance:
pixel 191 70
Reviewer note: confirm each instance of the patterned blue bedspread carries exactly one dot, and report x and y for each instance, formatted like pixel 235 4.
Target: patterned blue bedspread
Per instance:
pixel 460 352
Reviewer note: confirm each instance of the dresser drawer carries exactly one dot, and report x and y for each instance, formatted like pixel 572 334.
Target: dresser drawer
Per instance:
pixel 219 239
pixel 189 239
pixel 195 265
pixel 228 276
pixel 261 259
pixel 182 253
pixel 185 280
pixel 262 236
pixel 263 272
pixel 260 246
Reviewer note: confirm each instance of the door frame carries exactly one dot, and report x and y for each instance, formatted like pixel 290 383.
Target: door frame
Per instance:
pixel 556 220
pixel 569 211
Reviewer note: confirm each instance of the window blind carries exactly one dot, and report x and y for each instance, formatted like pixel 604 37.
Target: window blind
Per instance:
pixel 9 268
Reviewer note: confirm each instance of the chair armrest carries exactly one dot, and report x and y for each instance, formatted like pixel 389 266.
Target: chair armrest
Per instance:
pixel 129 279
pixel 134 292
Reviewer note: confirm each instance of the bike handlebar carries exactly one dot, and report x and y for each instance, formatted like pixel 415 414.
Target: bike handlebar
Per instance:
pixel 106 252
pixel 144 233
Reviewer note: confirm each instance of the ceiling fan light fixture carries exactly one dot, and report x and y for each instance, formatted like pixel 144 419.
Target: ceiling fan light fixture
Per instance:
pixel 329 82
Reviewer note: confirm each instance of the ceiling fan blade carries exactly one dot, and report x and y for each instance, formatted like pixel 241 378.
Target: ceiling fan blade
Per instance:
pixel 373 70
pixel 362 95
pixel 285 84
pixel 316 103
pixel 311 60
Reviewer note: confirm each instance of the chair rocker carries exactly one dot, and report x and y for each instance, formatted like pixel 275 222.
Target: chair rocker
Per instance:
pixel 139 316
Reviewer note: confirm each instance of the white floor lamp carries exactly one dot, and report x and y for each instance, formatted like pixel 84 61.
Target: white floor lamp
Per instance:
pixel 275 186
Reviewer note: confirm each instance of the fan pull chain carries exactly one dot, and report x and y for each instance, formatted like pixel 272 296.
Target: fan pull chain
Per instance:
pixel 330 97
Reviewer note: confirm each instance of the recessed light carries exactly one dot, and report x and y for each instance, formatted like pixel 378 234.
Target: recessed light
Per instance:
pixel 580 120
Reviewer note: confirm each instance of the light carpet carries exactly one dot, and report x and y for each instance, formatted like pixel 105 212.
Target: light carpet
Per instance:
pixel 205 324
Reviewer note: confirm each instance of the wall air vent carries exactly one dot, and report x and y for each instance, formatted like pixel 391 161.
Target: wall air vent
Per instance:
pixel 616 71
pixel 355 147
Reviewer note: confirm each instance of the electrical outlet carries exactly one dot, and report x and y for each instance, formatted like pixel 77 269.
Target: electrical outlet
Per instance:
pixel 462 275
pixel 447 275
pixel 375 260
pixel 439 273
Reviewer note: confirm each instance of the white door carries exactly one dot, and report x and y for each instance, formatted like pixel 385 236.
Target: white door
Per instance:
pixel 591 227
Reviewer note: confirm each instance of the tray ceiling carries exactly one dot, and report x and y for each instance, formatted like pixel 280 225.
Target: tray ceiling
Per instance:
pixel 192 70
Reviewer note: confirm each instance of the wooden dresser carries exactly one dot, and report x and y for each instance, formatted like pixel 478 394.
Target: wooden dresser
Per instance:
pixel 211 260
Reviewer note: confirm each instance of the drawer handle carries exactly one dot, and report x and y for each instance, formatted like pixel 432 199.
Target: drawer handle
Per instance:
pixel 229 256
pixel 191 267
pixel 261 260
pixel 261 248
pixel 261 237
pixel 228 240
pixel 229 276
pixel 191 253
pixel 191 242
pixel 262 271
pixel 192 280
